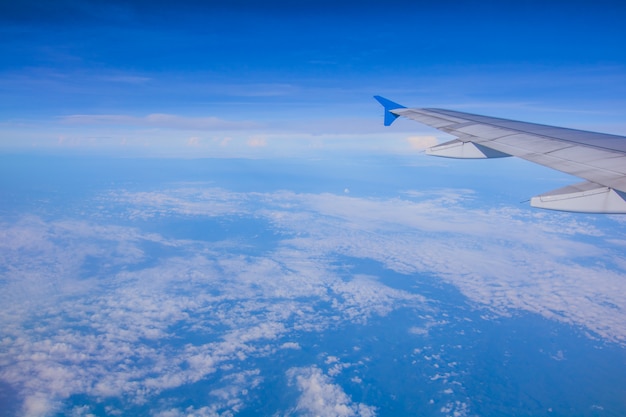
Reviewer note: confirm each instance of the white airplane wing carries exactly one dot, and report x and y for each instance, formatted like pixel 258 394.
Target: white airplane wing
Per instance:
pixel 598 158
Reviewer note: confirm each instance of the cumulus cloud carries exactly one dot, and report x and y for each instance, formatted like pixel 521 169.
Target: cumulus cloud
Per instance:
pixel 319 396
pixel 455 409
pixel 37 404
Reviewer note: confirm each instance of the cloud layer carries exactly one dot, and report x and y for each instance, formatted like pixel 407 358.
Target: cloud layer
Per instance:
pixel 109 311
pixel 506 259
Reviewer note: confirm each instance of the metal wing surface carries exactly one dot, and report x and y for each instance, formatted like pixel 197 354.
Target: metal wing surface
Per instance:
pixel 598 158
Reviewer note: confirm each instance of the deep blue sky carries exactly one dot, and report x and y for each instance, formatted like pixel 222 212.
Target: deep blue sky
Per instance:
pixel 252 78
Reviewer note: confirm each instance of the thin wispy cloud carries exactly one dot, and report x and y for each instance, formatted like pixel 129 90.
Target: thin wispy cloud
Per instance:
pixel 169 121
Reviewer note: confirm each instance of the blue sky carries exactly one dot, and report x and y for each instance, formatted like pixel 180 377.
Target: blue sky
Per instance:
pixel 239 78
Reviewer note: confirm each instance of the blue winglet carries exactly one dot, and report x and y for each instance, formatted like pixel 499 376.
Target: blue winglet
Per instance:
pixel 389 105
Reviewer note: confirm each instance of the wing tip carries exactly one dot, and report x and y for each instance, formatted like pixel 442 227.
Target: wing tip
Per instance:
pixel 389 105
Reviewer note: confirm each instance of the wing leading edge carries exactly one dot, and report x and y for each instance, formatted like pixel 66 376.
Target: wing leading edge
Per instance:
pixel 598 158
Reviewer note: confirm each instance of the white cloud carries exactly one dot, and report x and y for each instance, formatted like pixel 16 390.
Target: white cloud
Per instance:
pixel 455 409
pixel 160 120
pixel 38 404
pixel 119 316
pixel 503 259
pixel 424 330
pixel 193 141
pixel 257 142
pixel 422 142
pixel 320 397
pixel 209 201
pixel 81 411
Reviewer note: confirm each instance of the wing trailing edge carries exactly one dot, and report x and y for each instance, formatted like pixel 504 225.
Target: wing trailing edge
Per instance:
pixel 585 197
pixel 464 150
pixel 598 158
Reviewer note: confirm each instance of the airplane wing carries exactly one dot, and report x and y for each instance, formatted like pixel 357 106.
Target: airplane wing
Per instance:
pixel 598 158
